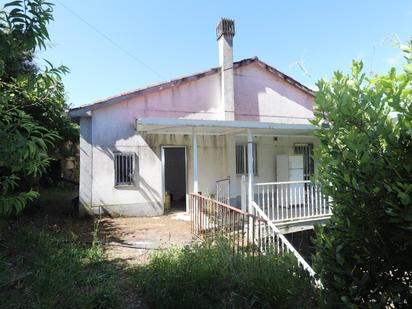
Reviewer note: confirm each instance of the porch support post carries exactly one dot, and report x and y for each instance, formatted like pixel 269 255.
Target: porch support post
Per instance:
pixel 243 194
pixel 250 168
pixel 195 172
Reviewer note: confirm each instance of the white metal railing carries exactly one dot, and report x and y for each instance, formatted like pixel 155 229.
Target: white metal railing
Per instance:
pixel 276 240
pixel 291 200
pixel 223 191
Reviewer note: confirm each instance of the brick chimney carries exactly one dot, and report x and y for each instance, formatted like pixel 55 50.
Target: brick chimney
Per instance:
pixel 225 32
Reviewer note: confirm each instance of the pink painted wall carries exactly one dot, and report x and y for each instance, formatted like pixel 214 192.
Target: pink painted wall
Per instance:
pixel 198 99
pixel 262 96
pixel 259 96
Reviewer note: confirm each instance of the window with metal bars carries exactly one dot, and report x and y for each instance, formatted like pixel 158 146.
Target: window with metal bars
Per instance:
pixel 242 157
pixel 124 168
pixel 308 164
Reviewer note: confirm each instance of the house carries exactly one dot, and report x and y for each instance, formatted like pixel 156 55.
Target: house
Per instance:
pixel 205 133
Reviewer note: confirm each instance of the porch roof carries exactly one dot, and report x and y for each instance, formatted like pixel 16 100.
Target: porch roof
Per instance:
pixel 218 127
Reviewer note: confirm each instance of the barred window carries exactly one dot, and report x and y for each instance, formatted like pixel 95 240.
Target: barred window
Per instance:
pixel 308 164
pixel 124 168
pixel 242 157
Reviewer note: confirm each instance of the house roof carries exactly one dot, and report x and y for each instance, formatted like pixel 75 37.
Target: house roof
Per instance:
pixel 82 110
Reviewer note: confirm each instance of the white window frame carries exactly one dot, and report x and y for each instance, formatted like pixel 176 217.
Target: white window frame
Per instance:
pixel 241 167
pixel 127 162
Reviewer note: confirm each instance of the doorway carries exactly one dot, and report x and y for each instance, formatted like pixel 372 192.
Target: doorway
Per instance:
pixel 174 164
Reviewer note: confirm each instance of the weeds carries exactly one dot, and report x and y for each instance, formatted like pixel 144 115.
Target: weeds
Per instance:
pixel 208 275
pixel 49 268
pixel 39 269
pixel 95 253
pixel 43 269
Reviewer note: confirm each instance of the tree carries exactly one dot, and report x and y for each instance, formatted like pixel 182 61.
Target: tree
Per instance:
pixel 365 129
pixel 32 103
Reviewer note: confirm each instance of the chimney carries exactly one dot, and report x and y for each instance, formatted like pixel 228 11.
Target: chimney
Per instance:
pixel 225 32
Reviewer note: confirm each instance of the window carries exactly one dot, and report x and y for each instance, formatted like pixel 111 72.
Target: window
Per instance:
pixel 241 159
pixel 308 164
pixel 124 168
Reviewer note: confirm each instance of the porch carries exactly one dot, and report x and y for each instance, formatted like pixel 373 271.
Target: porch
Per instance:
pixel 292 205
pixel 278 154
pixel 237 162
pixel 251 185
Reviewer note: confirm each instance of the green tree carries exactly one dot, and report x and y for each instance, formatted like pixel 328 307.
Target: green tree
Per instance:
pixel 32 103
pixel 365 129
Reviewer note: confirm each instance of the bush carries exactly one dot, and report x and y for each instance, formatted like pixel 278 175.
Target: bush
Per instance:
pixel 365 153
pixel 34 128
pixel 208 275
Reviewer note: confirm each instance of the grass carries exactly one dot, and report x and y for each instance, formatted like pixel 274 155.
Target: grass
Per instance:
pixel 43 264
pixel 208 275
pixel 39 269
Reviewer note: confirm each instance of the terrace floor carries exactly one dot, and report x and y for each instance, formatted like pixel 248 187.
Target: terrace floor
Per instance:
pixel 294 212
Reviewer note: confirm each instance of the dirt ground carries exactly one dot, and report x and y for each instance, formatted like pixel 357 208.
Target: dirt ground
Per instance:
pixel 134 239
pixel 130 239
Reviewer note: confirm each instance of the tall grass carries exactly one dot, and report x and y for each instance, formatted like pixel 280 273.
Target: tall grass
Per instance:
pixel 39 269
pixel 49 268
pixel 208 275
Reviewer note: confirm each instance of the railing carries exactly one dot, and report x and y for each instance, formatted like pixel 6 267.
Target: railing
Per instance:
pixel 248 233
pixel 291 200
pixel 211 218
pixel 276 240
pixel 223 191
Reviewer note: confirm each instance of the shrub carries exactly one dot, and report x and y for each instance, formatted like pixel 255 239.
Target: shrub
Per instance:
pixel 208 275
pixel 365 153
pixel 34 127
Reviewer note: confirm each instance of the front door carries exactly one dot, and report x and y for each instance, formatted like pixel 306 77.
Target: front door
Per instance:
pixel 175 177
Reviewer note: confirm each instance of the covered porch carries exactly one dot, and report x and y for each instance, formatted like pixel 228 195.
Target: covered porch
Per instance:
pixel 237 162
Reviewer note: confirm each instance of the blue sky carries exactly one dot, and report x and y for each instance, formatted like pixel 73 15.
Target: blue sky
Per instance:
pixel 176 38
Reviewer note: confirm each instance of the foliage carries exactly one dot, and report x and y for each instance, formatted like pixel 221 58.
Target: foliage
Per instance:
pixel 32 104
pixel 365 129
pixel 23 152
pixel 23 31
pixel 208 275
pixel 43 269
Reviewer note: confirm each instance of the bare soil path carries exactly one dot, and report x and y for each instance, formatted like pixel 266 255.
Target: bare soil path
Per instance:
pixel 133 239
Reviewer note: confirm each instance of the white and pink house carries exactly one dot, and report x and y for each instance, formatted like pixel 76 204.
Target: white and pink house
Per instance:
pixel 237 132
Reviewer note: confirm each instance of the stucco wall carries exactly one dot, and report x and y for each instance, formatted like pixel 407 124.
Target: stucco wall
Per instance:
pixel 259 96
pixel 262 96
pixel 113 130
pixel 86 163
pixel 145 199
